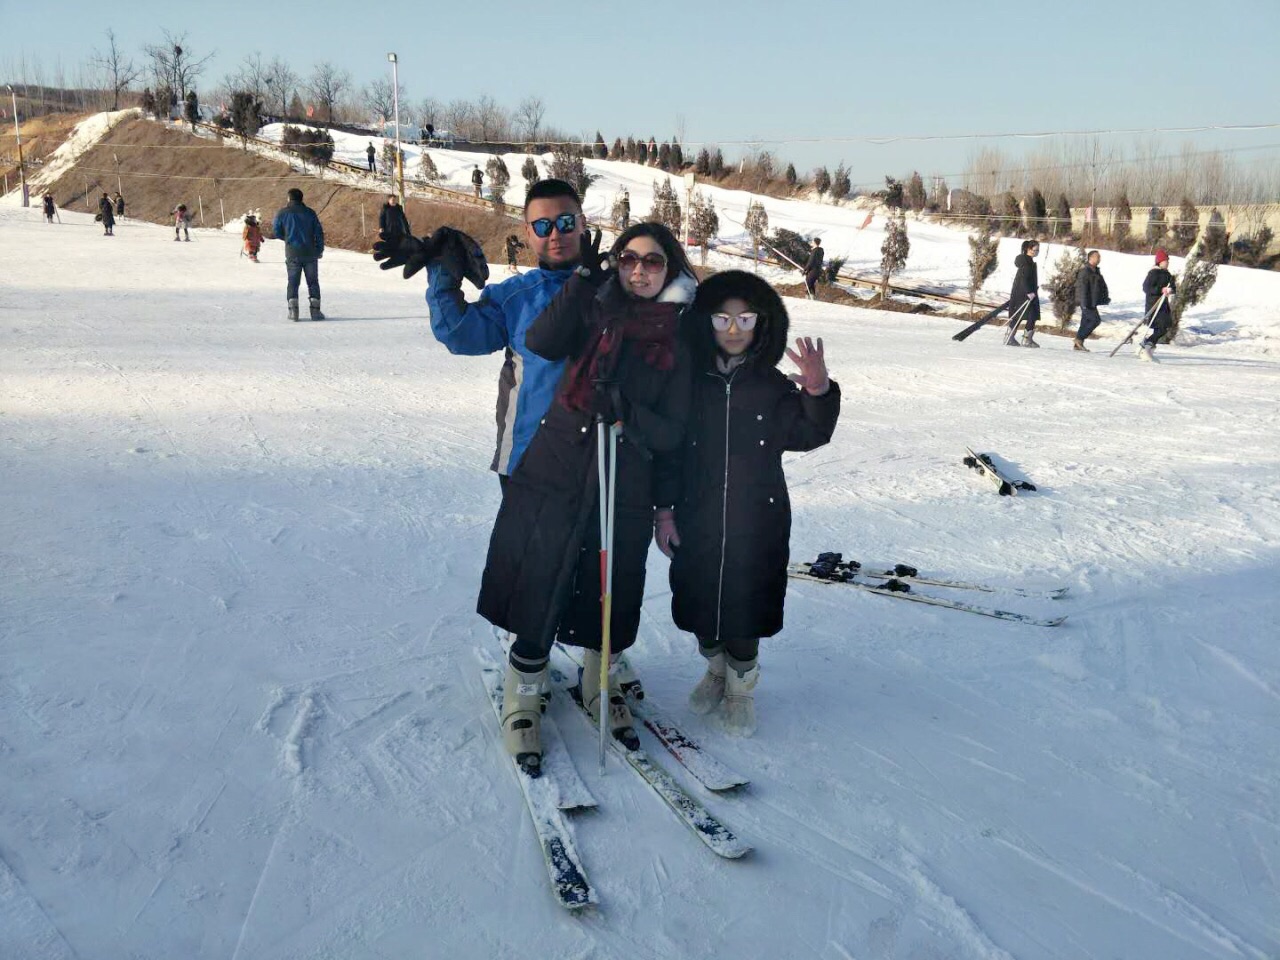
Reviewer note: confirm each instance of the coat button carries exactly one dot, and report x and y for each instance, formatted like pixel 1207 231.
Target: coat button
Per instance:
pixel 771 499
pixel 583 430
pixel 759 416
pixel 762 443
pixel 543 421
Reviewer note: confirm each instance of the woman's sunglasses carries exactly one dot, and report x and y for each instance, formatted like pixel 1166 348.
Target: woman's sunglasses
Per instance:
pixel 746 321
pixel 565 223
pixel 652 262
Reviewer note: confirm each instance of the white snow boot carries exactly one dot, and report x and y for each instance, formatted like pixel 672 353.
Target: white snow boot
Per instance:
pixel 315 309
pixel 1147 353
pixel 293 305
pixel 628 682
pixel 620 722
pixel 738 714
pixel 706 696
pixel 522 717
pixel 1029 341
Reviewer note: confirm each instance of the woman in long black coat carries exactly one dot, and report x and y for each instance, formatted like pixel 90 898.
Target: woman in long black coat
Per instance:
pixel 625 363
pixel 1026 287
pixel 732 519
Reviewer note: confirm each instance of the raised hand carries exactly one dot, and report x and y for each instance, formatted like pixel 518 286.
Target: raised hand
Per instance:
pixel 812 378
pixel 592 264
pixel 406 251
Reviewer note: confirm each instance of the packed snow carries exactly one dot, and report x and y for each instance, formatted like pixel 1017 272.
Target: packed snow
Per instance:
pixel 240 712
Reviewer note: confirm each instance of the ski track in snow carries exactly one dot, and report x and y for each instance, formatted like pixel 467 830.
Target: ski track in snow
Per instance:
pixel 240 709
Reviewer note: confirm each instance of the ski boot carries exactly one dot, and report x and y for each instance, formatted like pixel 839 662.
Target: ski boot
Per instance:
pixel 1079 345
pixel 620 723
pixel 628 682
pixel 315 309
pixel 522 717
pixel 293 305
pixel 738 715
pixel 706 696
pixel 1147 352
pixel 1027 341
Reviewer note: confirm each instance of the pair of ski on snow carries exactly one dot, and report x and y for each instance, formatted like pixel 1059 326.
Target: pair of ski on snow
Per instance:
pixel 557 788
pixel 1017 320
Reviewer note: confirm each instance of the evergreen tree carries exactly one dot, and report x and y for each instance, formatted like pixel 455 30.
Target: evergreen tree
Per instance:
pixel 427 169
pixel 296 108
pixel 791 177
pixel 704 223
pixel 192 109
pixel 821 181
pixel 149 101
pixel 1121 220
pixel 940 195
pixel 1010 215
pixel 666 206
pixel 717 164
pixel 616 151
pixel 894 250
pixel 840 185
pixel 245 116
pixel 1215 247
pixel 530 173
pixel 1037 212
pixel 702 165
pixel 1156 228
pixel 757 225
pixel 389 158
pixel 916 197
pixel 629 151
pixel 1198 277
pixel 677 156
pixel 1187 228
pixel 567 165
pixel 499 179
pixel 1062 217
pixel 600 151
pixel 1062 285
pixel 831 269
pixel 1249 250
pixel 984 252
pixel 894 195
pixel 653 150
pixel 310 145
pixel 642 152
pixel 664 156
pixel 790 245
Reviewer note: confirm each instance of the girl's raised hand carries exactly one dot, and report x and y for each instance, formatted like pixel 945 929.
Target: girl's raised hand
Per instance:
pixel 812 378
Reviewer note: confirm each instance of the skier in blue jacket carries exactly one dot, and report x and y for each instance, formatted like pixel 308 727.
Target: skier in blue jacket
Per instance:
pixel 504 312
pixel 299 227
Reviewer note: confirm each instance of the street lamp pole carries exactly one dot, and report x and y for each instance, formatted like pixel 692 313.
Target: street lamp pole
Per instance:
pixel 22 172
pixel 395 99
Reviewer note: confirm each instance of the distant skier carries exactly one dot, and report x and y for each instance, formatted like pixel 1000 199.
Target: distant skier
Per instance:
pixel 477 179
pixel 813 268
pixel 729 575
pixel 181 223
pixel 50 208
pixel 1091 291
pixel 1159 283
pixel 1026 287
pixel 392 220
pixel 299 227
pixel 372 154
pixel 626 209
pixel 498 320
pixel 514 246
pixel 106 213
pixel 119 205
pixel 252 236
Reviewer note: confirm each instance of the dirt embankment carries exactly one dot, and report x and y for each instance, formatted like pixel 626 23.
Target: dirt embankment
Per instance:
pixel 157 167
pixel 40 137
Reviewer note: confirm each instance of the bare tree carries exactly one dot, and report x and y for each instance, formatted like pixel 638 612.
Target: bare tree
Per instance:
pixel 492 120
pixel 529 116
pixel 281 83
pixel 118 70
pixel 174 65
pixel 327 85
pixel 459 118
pixel 429 111
pixel 379 98
pixel 251 77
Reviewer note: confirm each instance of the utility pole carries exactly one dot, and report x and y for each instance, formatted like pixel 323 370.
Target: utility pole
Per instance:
pixel 395 99
pixel 17 130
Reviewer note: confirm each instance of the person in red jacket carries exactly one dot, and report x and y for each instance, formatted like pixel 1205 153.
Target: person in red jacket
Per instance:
pixel 252 237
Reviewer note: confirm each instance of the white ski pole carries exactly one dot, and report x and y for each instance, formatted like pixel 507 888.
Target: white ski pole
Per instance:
pixel 1016 321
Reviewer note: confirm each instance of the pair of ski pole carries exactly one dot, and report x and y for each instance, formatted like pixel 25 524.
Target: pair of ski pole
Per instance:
pixel 1148 318
pixel 606 451
pixel 1016 321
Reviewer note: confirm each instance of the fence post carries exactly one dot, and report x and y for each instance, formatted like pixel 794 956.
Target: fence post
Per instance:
pixel 86 195
pixel 362 233
pixel 200 200
pixel 222 212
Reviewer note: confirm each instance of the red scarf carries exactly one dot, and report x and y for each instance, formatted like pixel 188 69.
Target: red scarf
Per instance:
pixel 649 327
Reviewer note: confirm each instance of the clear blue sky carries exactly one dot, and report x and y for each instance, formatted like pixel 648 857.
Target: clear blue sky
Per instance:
pixel 751 69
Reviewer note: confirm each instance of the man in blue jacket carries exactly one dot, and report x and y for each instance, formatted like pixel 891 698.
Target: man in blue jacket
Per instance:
pixel 299 227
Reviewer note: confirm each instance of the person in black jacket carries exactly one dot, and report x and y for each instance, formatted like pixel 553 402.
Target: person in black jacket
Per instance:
pixel 50 208
pixel 813 269
pixel 106 213
pixel 1091 291
pixel 392 221
pixel 625 365
pixel 119 205
pixel 477 178
pixel 728 528
pixel 514 246
pixel 1026 287
pixel 371 153
pixel 1158 283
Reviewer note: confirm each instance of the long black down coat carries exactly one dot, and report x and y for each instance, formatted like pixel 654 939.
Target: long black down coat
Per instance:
pixel 1026 280
pixel 729 575
pixel 542 576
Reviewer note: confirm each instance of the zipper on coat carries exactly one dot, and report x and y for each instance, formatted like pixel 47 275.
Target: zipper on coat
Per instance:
pixel 724 503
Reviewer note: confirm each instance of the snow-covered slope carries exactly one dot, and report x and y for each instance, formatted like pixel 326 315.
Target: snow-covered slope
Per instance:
pixel 239 714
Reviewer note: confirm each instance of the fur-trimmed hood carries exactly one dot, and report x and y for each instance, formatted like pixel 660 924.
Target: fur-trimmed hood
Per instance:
pixel 771 330
pixel 679 291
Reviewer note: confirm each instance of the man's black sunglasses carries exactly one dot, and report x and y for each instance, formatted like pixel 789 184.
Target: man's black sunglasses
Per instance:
pixel 565 223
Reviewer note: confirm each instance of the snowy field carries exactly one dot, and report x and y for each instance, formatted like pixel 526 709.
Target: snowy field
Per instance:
pixel 240 715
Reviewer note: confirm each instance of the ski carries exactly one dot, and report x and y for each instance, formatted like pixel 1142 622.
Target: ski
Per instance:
pixel 833 574
pixel 706 827
pixel 975 327
pixel 904 571
pixel 564 867
pixel 572 793
pixel 1146 319
pixel 706 769
pixel 983 464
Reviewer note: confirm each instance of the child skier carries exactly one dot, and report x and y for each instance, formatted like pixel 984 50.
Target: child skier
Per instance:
pixel 729 526
pixel 252 236
pixel 514 246
pixel 181 223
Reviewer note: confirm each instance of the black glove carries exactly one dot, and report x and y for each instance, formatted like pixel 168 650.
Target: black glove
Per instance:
pixel 610 405
pixel 455 251
pixel 593 265
pixel 462 256
pixel 403 250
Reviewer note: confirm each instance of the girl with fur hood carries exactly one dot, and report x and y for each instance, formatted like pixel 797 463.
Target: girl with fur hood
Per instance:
pixel 728 528
pixel 252 236
pixel 616 330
